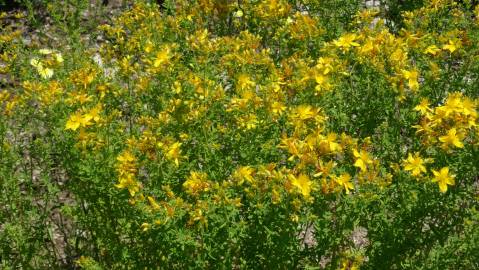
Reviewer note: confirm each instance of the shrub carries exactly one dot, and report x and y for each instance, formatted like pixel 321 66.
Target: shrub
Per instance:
pixel 243 134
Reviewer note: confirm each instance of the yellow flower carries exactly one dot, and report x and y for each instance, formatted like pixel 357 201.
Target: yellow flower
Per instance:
pixel 148 46
pixel 349 265
pixel 128 181
pixel 45 73
pixel 303 183
pixel 415 164
pixel 423 106
pixel 162 57
pixel 244 173
pixel 94 113
pixel 329 144
pixel 362 159
pixel 59 58
pixel 126 169
pixel 275 196
pixel 452 46
pixel 325 169
pixel 469 108
pixel 245 82
pixel 432 49
pixel 322 82
pixel 74 122
pixel 197 182
pixel 451 139
pixel 277 108
pixel 153 203
pixel 412 77
pixel 238 14
pixel 126 157
pixel 443 178
pixel 293 146
pixel 174 153
pixel 399 56
pixel 344 180
pixel 145 226
pixel 347 41
pixel 249 121
pixel 35 62
pixel 303 112
pixel 453 104
pixel 77 120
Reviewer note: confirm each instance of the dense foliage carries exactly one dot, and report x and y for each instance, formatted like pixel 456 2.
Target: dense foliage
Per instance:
pixel 217 134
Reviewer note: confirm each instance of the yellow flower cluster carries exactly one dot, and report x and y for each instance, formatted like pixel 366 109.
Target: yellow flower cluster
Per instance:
pixel 127 169
pixel 450 124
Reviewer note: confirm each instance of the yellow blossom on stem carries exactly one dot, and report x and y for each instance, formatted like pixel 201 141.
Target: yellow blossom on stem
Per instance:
pixel 344 180
pixel 328 143
pixel 244 173
pixel 196 183
pixel 362 159
pixel 153 203
pixel 174 152
pixel 245 82
pixel 303 112
pixel 346 41
pixel 77 120
pixel 349 265
pixel 432 49
pixel 249 121
pixel 443 178
pixel 451 139
pixel 277 108
pixel 423 106
pixel 126 157
pixel 145 226
pixel 45 73
pixel 128 181
pixel 162 57
pixel 412 77
pixel 302 183
pixel 451 46
pixel 94 113
pixel 414 164
pixel 322 82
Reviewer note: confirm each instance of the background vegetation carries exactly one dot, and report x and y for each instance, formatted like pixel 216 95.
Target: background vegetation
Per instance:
pixel 290 134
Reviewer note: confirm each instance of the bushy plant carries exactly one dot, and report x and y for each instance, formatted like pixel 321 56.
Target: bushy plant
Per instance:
pixel 243 135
